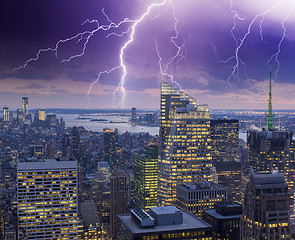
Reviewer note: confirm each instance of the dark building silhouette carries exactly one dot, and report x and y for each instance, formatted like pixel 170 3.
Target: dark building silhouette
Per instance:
pixel 225 219
pixel 118 198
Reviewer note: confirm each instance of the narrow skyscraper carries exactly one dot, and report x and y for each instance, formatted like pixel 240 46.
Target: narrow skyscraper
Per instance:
pixel 6 114
pixel 185 142
pixel 269 115
pixel 146 178
pixel 25 103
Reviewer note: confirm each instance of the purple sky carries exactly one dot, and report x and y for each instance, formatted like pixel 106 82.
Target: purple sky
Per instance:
pixel 204 30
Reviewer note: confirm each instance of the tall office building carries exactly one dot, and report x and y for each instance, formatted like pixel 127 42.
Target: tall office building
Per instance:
pixel 76 143
pixel 269 149
pixel 47 204
pixel 229 175
pixel 20 115
pixel 118 198
pixel 25 104
pixel 195 197
pixel 6 114
pixel 266 207
pixel 110 138
pixel 185 142
pixel 133 116
pixel 224 140
pixel 39 115
pixel 146 178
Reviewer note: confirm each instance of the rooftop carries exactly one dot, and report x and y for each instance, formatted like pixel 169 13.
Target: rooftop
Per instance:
pixel 215 214
pixel 201 186
pixel 189 222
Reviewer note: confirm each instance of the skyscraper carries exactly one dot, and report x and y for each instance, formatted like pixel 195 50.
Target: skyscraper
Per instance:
pixel 110 138
pixel 133 116
pixel 270 149
pixel 225 140
pixel 118 197
pixel 25 103
pixel 266 207
pixel 229 175
pixel 185 142
pixel 146 178
pixel 195 197
pixel 39 115
pixel 47 199
pixel 6 114
pixel 20 116
pixel 76 143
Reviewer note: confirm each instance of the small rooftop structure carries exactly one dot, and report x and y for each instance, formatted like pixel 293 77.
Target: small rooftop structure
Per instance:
pixel 168 215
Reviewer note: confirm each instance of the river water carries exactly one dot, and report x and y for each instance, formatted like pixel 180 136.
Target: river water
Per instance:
pixel 121 124
pixel 98 126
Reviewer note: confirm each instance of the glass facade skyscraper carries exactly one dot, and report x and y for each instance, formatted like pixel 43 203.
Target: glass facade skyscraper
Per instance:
pixel 146 178
pixel 185 148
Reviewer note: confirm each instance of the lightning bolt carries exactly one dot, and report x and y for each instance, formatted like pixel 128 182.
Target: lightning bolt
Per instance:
pixel 276 55
pixel 240 42
pixel 129 41
pixel 177 57
pixel 85 36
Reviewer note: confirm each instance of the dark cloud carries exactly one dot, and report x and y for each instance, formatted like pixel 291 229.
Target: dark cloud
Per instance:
pixel 32 86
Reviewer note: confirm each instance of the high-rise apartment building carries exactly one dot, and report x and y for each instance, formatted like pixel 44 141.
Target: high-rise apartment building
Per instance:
pixel 224 140
pixel 146 178
pixel 185 142
pixel 6 114
pixel 195 197
pixel 118 198
pixel 25 104
pixel 47 204
pixel 266 207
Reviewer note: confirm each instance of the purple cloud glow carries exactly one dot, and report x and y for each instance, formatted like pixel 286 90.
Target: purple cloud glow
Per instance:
pixel 204 28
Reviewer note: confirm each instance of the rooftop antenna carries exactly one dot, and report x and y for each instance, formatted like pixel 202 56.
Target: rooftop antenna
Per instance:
pixel 269 114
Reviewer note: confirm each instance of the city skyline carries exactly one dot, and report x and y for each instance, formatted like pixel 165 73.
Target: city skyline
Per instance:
pixel 207 30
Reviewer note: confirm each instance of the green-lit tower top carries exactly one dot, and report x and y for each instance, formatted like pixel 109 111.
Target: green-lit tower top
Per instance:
pixel 269 115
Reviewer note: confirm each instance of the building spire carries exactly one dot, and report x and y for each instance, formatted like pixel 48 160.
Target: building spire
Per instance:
pixel 269 115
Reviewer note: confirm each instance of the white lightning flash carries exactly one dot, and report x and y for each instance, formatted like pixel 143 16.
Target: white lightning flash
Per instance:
pixel 176 58
pixel 239 42
pixel 86 36
pixel 276 55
